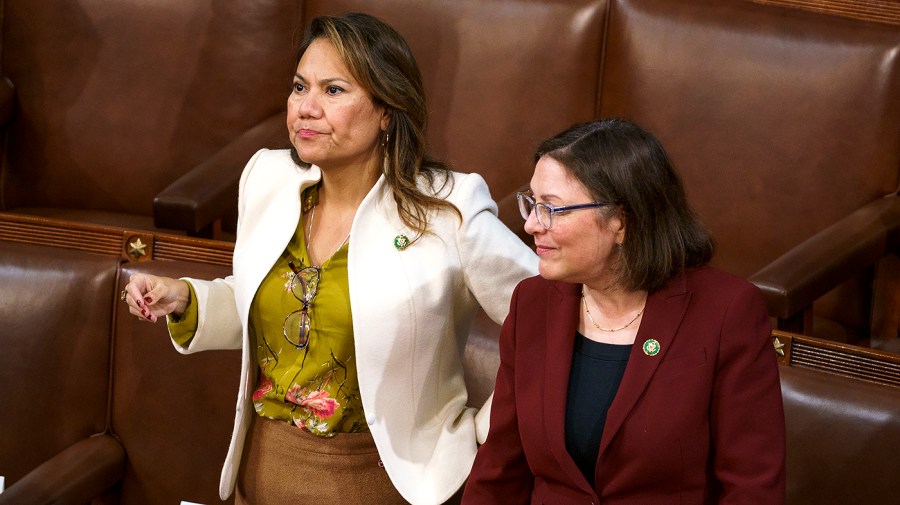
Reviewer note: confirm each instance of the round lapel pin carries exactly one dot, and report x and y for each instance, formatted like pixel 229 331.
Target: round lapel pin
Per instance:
pixel 651 347
pixel 401 242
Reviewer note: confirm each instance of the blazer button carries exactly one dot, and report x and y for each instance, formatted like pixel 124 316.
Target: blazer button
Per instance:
pixel 370 419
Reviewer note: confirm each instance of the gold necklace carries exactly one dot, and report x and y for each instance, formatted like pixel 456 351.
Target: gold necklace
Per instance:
pixel 586 309
pixel 309 236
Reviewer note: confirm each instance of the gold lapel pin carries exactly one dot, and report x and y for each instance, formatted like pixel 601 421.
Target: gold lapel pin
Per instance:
pixel 401 242
pixel 651 347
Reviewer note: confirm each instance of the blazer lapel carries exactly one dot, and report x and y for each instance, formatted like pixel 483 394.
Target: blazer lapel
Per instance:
pixel 376 266
pixel 561 325
pixel 269 224
pixel 662 316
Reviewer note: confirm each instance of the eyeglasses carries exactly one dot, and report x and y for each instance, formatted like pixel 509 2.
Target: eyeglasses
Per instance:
pixel 304 284
pixel 545 212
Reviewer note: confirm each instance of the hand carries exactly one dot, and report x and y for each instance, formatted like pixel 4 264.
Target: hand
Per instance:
pixel 150 297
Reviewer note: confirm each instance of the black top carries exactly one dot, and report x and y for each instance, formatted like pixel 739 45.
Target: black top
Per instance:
pixel 597 370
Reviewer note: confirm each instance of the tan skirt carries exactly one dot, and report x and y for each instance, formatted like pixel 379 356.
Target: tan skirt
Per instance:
pixel 283 464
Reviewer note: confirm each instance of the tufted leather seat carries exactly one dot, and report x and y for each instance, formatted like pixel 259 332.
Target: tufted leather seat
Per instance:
pixel 782 123
pixel 114 101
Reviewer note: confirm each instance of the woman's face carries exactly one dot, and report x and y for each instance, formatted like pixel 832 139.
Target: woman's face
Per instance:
pixel 331 119
pixel 580 246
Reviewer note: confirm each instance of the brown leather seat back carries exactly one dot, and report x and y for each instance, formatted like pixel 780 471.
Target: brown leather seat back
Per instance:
pixel 114 101
pixel 500 76
pixel 481 359
pixel 780 121
pixel 843 439
pixel 173 413
pixel 54 360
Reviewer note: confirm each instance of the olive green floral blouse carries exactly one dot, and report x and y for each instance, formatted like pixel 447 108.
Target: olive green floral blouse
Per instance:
pixel 315 387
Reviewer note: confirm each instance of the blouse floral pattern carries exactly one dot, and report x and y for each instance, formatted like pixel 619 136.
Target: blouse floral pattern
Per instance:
pixel 314 388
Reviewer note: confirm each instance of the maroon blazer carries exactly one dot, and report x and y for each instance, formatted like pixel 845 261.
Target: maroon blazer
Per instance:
pixel 699 422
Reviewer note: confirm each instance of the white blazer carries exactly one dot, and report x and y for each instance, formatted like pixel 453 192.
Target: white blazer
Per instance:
pixel 412 311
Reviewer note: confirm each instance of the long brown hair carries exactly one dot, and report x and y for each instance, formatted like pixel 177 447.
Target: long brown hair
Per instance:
pixel 381 61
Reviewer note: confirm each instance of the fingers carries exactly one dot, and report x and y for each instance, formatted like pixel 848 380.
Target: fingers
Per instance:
pixel 142 314
pixel 136 306
pixel 138 284
pixel 159 292
pixel 140 297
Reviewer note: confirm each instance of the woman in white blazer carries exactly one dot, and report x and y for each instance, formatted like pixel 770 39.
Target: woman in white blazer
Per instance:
pixel 375 257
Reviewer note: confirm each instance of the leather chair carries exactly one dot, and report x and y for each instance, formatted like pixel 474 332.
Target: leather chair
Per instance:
pixel 172 413
pixel 98 406
pixel 129 420
pixel 842 436
pixel 783 123
pixel 55 310
pixel 842 420
pixel 866 240
pixel 499 76
pixel 134 422
pixel 115 101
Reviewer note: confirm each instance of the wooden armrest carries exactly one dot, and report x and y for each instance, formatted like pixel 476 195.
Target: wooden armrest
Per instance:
pixel 210 190
pixel 795 280
pixel 7 100
pixel 76 475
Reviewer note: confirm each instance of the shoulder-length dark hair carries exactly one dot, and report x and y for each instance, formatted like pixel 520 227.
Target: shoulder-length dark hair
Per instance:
pixel 381 61
pixel 618 161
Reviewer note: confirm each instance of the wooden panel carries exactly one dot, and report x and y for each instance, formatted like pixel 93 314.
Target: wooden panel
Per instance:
pixel 836 358
pixel 882 11
pixel 131 245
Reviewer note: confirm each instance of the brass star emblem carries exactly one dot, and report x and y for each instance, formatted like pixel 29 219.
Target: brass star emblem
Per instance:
pixel 137 248
pixel 779 346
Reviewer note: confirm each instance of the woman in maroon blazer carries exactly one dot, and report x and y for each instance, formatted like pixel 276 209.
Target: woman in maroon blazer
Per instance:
pixel 630 372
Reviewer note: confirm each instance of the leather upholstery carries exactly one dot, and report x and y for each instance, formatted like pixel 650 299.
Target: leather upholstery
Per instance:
pixel 80 473
pixel 55 313
pixel 116 100
pixel 7 101
pixel 169 415
pixel 780 121
pixel 500 76
pixel 702 75
pixel 140 110
pixel 481 359
pixel 843 439
pixel 172 413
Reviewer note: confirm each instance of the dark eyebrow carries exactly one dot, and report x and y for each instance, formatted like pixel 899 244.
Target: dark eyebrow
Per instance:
pixel 324 82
